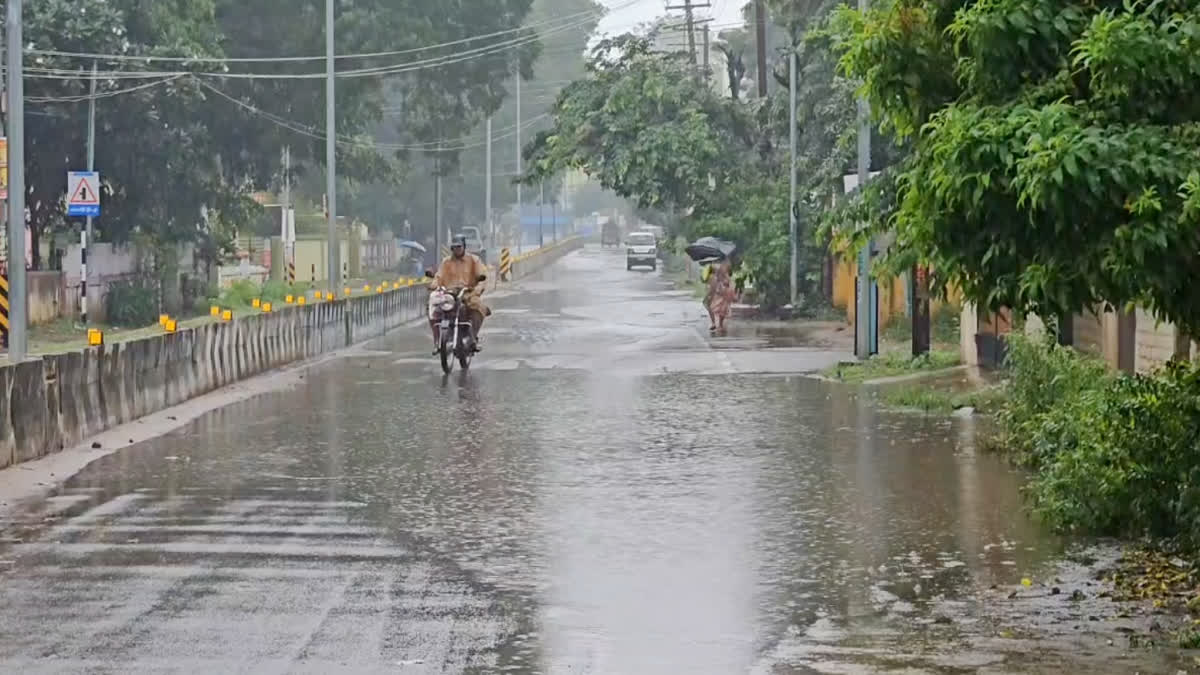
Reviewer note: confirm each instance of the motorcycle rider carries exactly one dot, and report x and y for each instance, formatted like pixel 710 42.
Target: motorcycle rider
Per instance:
pixel 463 270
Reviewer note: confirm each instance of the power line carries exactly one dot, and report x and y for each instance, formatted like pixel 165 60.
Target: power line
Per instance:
pixel 587 15
pixel 392 69
pixel 107 94
pixel 305 130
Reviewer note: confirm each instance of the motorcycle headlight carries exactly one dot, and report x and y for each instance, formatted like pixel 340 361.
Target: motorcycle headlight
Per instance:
pixel 447 306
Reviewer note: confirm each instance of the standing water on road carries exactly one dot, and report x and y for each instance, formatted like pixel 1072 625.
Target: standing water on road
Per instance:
pixel 606 491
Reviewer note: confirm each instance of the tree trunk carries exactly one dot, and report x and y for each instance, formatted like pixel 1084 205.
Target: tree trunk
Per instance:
pixel 1183 345
pixel 35 245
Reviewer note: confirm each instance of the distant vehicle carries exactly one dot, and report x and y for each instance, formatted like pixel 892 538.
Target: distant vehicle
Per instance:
pixel 641 248
pixel 474 241
pixel 610 234
pixel 660 236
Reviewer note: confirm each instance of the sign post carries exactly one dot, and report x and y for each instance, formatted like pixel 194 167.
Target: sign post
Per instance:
pixel 83 199
pixel 83 193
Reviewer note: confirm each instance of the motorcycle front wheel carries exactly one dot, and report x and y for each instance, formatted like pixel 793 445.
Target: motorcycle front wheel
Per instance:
pixel 446 356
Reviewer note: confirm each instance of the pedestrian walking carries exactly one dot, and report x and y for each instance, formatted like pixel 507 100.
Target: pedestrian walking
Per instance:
pixel 720 296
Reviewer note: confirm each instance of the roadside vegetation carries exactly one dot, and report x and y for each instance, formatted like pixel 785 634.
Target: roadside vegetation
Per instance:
pixel 1111 454
pixel 937 400
pixel 893 364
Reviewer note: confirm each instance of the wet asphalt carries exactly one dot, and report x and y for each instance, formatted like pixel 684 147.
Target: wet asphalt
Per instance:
pixel 608 490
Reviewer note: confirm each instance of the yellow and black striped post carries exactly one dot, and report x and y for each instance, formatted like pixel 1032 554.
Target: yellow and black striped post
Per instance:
pixel 505 264
pixel 291 273
pixel 445 252
pixel 4 310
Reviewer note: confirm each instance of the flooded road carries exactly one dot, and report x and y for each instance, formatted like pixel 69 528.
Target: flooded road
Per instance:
pixel 608 490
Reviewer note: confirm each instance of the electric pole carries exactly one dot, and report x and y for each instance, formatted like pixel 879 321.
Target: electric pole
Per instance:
pixel 520 207
pixel 689 8
pixel 487 192
pixel 707 72
pixel 866 330
pixel 760 31
pixel 437 203
pixel 331 148
pixel 289 232
pixel 18 315
pixel 691 31
pixel 792 211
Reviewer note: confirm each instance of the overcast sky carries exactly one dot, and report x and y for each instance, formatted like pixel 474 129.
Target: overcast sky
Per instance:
pixel 626 14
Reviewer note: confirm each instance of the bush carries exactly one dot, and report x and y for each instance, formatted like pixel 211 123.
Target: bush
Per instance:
pixel 1114 454
pixel 1043 376
pixel 242 293
pixel 131 304
pixel 1123 459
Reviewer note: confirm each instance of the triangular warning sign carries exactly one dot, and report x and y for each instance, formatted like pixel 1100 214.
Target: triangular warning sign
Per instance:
pixel 84 194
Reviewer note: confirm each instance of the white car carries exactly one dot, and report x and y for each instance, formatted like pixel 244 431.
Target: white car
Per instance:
pixel 641 248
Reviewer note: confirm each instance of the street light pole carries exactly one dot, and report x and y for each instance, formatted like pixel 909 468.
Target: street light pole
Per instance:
pixel 18 315
pixel 331 147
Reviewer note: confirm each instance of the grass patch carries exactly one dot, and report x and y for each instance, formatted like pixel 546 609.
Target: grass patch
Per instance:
pixel 892 364
pixel 930 400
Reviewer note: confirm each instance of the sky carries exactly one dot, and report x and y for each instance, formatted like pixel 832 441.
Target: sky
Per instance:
pixel 626 14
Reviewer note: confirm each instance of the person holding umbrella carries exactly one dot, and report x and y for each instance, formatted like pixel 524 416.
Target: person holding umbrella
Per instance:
pixel 720 296
pixel 721 291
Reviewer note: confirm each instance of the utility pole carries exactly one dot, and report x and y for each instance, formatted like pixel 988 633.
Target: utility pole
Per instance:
pixel 565 204
pixel 18 315
pixel 331 148
pixel 289 232
pixel 437 203
pixel 707 72
pixel 792 210
pixel 541 213
pixel 760 31
pixel 866 330
pixel 520 162
pixel 487 199
pixel 689 8
pixel 691 31
pixel 87 232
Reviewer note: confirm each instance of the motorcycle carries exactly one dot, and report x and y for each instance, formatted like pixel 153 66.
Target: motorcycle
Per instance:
pixel 455 338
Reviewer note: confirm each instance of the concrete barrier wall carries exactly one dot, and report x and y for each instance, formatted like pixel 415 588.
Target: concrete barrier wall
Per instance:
pixel 59 401
pixel 538 259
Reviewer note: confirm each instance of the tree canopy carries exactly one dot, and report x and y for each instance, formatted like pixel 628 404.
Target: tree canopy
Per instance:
pixel 1054 146
pixel 182 144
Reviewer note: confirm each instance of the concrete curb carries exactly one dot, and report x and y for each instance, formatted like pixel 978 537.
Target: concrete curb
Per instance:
pixel 58 401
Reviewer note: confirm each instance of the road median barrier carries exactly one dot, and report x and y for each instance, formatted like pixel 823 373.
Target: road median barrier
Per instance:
pixel 53 402
pixel 534 261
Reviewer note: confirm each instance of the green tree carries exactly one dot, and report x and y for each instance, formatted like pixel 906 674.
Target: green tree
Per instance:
pixel 1054 161
pixel 181 156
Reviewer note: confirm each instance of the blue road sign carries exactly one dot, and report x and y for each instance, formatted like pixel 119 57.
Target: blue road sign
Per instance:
pixel 83 193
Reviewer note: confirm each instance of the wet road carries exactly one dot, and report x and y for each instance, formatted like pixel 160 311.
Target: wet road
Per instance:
pixel 607 491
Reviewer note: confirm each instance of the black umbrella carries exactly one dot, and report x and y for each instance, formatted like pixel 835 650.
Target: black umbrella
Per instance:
pixel 709 248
